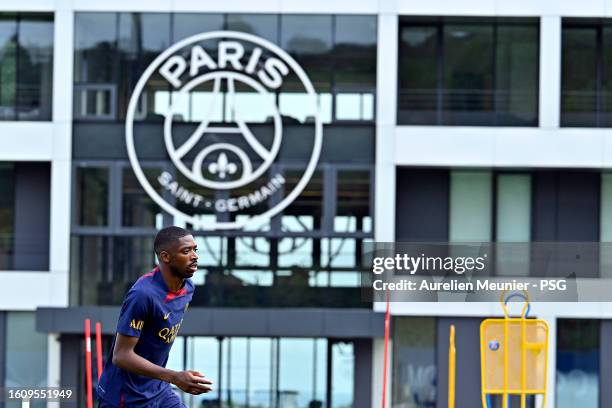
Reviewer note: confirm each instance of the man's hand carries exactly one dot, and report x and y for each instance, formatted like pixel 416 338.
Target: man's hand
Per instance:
pixel 192 382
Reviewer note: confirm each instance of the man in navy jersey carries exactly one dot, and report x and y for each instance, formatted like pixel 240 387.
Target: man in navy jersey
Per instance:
pixel 150 319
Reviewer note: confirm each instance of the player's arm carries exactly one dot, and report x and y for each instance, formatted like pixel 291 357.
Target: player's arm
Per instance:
pixel 126 358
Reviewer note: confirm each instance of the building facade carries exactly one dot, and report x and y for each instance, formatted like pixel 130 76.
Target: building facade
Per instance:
pixel 480 121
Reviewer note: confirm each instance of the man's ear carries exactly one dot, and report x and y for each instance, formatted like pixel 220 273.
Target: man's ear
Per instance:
pixel 164 257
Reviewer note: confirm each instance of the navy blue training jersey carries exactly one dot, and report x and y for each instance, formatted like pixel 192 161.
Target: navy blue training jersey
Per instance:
pixel 153 313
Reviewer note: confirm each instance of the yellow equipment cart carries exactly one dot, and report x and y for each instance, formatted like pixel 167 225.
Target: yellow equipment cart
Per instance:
pixel 514 355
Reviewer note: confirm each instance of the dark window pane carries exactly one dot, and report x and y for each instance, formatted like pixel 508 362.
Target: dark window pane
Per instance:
pixel 477 71
pixel 579 76
pixel 343 374
pixel 418 100
pixel 354 67
pixel 35 66
pixel 92 196
pixel 414 362
pixel 104 268
pixel 95 47
pixel 139 209
pixel 578 357
pixel 96 63
pixel 262 25
pixel 308 39
pixel 306 212
pixel 468 74
pixel 8 66
pixel 142 37
pixel 185 25
pixel 7 215
pixel 353 201
pixel 516 74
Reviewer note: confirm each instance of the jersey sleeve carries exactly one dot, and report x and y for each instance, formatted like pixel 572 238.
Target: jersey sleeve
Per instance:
pixel 133 314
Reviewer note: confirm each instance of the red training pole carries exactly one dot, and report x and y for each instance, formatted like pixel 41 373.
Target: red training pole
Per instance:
pixel 88 363
pixel 99 348
pixel 386 353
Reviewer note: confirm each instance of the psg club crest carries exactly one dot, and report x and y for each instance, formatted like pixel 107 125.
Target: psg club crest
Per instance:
pixel 225 158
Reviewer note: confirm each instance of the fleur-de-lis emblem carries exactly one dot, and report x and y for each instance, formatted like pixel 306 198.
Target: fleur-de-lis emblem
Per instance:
pixel 223 166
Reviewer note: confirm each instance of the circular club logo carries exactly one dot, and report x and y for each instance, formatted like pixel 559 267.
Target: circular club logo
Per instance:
pixel 226 154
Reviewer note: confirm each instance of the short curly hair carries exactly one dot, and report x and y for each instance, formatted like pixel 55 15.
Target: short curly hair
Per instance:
pixel 168 236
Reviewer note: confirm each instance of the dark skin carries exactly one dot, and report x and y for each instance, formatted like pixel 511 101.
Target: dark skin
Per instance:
pixel 177 262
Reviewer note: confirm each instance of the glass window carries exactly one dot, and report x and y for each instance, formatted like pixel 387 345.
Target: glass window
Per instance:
pixel 8 66
pixel 579 73
pixel 92 196
pixel 308 39
pixel 262 25
pixel 355 39
pixel 35 67
pixel 26 353
pixel 302 372
pixel 470 206
pixel 343 375
pixel 188 24
pixel 105 267
pixel 414 362
pixel 95 65
pixel 306 212
pixel 141 38
pixel 578 356
pixel 513 208
pixel 295 252
pixel 177 355
pixel 586 84
pixel 606 226
pixel 113 49
pixel 138 208
pixel 260 372
pixel 606 92
pixel 354 83
pixel 353 201
pixel 457 71
pixel 7 215
pixel 203 355
pixel 270 372
pixel 419 96
pixel 26 66
pixel 468 91
pixel 517 74
pixel 513 224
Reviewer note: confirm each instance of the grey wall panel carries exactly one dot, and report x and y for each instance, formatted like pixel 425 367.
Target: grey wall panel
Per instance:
pixel 341 143
pixel 565 206
pixel 355 323
pixel 32 216
pixel 422 205
pixel 578 206
pixel 544 209
pixel 467 343
pixel 565 209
